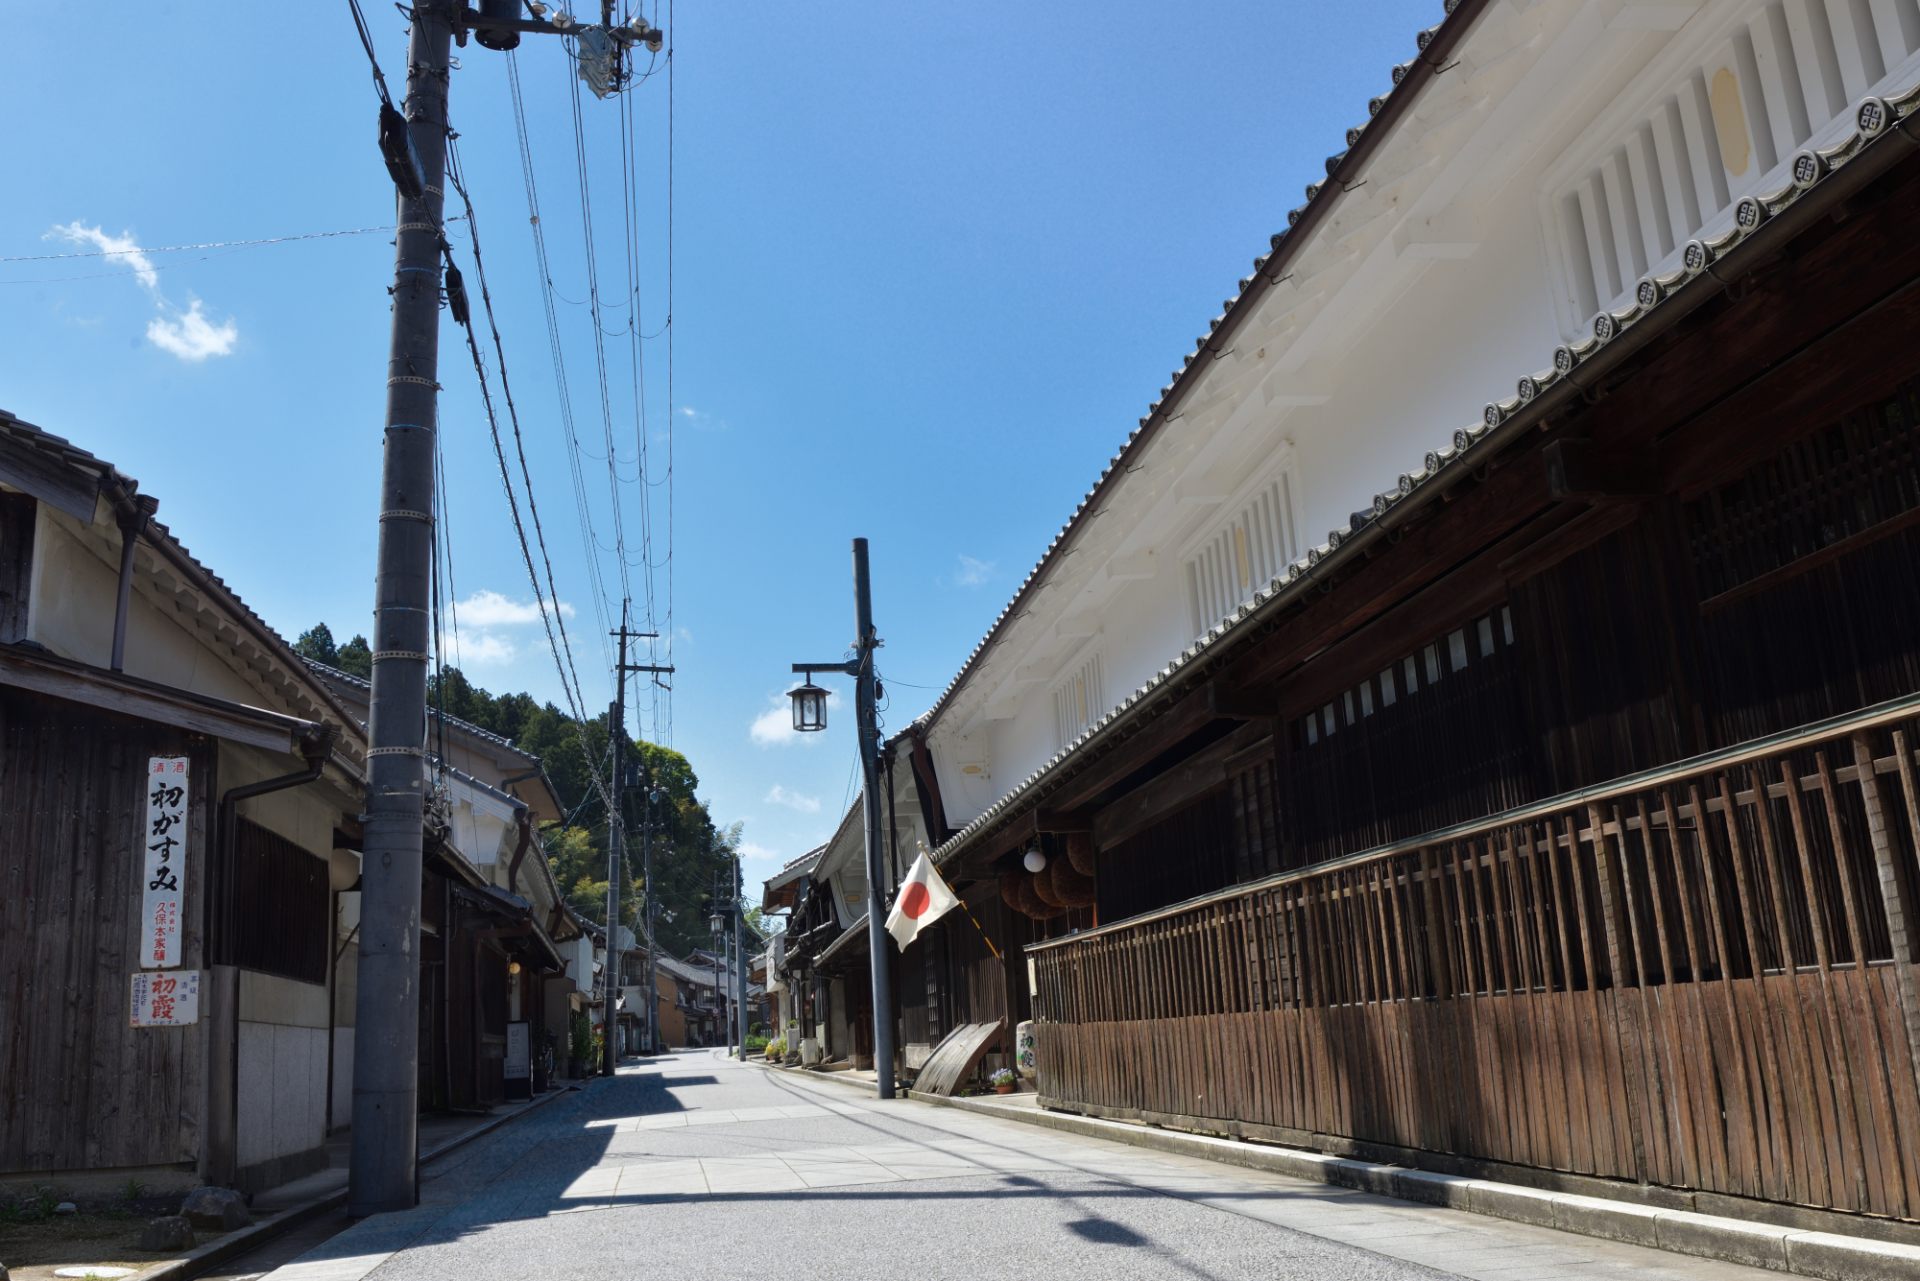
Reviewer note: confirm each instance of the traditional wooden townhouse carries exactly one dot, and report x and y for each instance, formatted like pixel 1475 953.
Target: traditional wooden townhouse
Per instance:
pixel 178 802
pixel 496 989
pixel 1471 722
pixel 826 945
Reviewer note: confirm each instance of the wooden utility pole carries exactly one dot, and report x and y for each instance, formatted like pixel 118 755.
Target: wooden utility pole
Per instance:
pixel 386 1046
pixel 382 1167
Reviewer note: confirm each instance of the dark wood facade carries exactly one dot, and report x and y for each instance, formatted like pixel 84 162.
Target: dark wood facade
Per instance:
pixel 104 1094
pixel 1574 828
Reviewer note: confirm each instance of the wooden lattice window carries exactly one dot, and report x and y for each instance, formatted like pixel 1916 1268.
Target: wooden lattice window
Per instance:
pixel 1841 487
pixel 277 907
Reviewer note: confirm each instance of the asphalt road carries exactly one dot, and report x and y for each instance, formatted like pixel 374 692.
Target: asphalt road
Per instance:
pixel 692 1167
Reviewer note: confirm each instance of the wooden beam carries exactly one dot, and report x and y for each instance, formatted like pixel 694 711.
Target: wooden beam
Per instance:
pixel 1176 788
pixel 127 696
pixel 1111 762
pixel 1451 536
pixel 1238 703
pixel 1853 364
pixel 1836 270
pixel 1060 822
pixel 59 485
pixel 1582 470
pixel 1467 592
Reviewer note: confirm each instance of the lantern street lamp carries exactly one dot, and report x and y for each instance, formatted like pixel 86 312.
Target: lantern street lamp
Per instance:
pixel 809 706
pixel 809 716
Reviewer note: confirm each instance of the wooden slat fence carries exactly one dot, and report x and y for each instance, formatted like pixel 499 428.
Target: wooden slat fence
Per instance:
pixel 1701 978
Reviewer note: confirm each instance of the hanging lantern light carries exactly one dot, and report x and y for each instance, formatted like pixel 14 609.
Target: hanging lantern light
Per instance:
pixel 1035 861
pixel 513 967
pixel 809 708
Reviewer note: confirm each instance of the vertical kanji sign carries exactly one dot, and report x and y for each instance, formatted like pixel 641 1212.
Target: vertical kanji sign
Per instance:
pixel 163 880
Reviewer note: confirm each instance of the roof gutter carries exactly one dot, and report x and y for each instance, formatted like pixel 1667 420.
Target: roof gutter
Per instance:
pixel 1343 170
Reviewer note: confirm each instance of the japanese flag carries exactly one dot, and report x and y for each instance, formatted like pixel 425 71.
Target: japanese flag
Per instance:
pixel 923 899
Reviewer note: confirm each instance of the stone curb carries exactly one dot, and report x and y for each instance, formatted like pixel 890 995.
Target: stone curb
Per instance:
pixel 1783 1249
pixel 245 1240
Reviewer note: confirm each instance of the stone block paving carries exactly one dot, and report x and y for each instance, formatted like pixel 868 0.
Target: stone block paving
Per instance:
pixel 691 1166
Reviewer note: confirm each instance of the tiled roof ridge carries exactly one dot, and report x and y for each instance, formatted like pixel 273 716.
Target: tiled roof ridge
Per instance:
pixel 1432 45
pixel 360 682
pixel 1874 117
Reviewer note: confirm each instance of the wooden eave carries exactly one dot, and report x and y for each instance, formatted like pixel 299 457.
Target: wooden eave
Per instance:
pixel 39 671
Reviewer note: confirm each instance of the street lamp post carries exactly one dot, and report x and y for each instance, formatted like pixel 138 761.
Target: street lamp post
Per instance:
pixel 718 925
pixel 652 971
pixel 810 715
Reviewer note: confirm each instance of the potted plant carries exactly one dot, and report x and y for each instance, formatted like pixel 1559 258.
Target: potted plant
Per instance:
pixel 1002 1079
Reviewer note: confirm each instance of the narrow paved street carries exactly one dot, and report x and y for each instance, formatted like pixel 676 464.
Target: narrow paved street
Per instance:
pixel 692 1166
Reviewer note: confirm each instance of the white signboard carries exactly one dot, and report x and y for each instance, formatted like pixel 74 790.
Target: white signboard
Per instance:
pixel 519 1064
pixel 166 1000
pixel 163 880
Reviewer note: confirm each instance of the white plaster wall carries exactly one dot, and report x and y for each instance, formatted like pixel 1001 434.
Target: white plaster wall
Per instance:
pixel 305 815
pixel 73 607
pixel 1402 350
pixel 284 1053
pixel 342 1078
pixel 283 1084
pixel 482 836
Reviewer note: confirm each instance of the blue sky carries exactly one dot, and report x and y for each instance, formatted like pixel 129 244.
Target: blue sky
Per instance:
pixel 931 263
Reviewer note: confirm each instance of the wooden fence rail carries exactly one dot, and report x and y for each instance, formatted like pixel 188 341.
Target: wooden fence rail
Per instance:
pixel 1701 979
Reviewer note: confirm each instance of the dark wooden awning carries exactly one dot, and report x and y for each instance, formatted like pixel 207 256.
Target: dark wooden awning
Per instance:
pixel 40 671
pixel 845 952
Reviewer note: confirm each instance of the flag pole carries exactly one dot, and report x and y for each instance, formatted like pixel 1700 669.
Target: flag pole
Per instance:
pixel 957 898
pixel 982 929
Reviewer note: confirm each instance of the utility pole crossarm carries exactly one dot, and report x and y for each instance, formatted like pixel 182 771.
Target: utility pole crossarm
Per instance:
pixel 845 666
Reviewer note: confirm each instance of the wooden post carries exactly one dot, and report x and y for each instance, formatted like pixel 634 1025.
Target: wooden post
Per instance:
pixel 1895 891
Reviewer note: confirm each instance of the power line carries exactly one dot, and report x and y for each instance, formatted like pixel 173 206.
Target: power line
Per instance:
pixel 599 336
pixel 673 409
pixel 143 251
pixel 366 42
pixel 582 508
pixel 550 610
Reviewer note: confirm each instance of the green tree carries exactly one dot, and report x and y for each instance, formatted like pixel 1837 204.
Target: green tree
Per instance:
pixel 316 643
pixel 356 657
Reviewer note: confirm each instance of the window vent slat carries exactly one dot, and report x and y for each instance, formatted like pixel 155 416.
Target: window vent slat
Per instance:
pixel 1768 85
pixel 1243 555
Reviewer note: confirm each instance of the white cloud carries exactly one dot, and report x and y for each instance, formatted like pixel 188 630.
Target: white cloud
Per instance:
pixel 973 571
pixel 774 727
pixel 487 608
pixel 124 247
pixel 779 795
pixel 702 419
pixel 753 852
pixel 189 335
pixel 483 649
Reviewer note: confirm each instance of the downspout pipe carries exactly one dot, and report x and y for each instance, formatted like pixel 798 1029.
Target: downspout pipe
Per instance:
pixel 132 517
pixel 523 817
pixel 317 747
